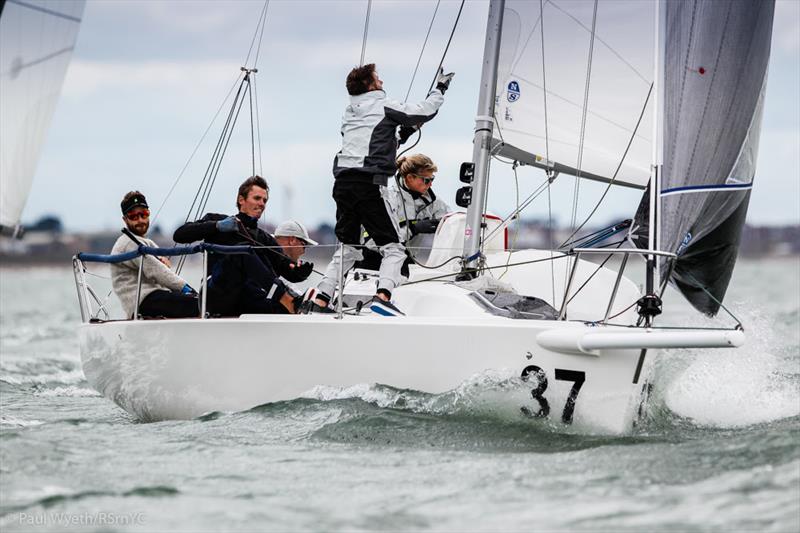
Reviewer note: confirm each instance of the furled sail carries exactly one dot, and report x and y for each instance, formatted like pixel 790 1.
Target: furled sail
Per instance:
pixel 715 70
pixel 36 42
pixel 546 131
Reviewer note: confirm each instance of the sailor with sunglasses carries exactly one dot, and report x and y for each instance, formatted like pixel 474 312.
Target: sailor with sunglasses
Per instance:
pixel 414 206
pixel 163 293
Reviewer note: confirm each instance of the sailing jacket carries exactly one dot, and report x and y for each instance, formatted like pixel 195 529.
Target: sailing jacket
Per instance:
pixel 206 230
pixel 369 134
pixel 155 274
pixel 405 205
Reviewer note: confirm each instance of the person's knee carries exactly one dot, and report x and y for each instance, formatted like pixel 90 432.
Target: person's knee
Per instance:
pixel 393 250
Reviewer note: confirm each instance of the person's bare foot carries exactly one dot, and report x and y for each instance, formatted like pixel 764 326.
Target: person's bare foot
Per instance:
pixel 320 302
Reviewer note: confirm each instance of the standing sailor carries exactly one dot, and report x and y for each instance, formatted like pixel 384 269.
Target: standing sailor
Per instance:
pixel 361 170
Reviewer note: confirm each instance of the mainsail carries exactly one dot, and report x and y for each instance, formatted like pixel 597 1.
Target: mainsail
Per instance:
pixel 36 42
pixel 543 75
pixel 715 70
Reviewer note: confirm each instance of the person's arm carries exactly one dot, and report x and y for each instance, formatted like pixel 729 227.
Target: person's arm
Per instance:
pixel 417 114
pixel 199 230
pixel 159 274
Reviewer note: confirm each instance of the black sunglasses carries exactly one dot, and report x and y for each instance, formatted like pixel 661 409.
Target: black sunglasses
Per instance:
pixel 426 181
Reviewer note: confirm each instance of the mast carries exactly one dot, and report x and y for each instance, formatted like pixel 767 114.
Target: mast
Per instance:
pixel 652 281
pixel 484 127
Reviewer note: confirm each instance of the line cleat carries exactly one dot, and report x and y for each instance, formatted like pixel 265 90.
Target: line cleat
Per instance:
pixel 384 308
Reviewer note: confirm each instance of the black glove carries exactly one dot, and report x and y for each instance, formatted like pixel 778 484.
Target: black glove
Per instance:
pixel 424 225
pixel 443 80
pixel 300 272
pixel 405 133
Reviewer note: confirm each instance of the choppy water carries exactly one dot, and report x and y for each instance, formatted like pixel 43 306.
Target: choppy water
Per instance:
pixel 718 450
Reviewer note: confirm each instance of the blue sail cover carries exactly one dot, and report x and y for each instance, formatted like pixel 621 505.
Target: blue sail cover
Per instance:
pixel 715 69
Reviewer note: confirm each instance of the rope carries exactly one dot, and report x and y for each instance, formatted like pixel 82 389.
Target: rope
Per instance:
pixel 477 269
pixel 366 31
pixel 421 52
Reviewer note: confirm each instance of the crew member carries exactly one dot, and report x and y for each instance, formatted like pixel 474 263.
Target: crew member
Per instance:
pixel 414 206
pixel 246 282
pixel 361 170
pixel 293 238
pixel 163 293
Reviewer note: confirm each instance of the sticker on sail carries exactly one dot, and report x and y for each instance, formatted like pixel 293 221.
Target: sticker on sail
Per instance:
pixel 685 243
pixel 513 91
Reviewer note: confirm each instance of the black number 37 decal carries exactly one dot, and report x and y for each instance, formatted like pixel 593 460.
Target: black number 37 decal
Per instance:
pixel 536 375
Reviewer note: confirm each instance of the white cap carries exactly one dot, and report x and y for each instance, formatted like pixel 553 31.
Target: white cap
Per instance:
pixel 292 228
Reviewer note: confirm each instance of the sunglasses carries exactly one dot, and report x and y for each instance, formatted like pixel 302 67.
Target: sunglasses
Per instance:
pixel 139 215
pixel 426 181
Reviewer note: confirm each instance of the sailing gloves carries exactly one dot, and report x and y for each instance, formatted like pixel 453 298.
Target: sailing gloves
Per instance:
pixel 423 225
pixel 404 133
pixel 227 225
pixel 443 80
pixel 300 272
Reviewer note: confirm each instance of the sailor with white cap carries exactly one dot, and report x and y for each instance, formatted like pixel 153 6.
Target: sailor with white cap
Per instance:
pixel 293 238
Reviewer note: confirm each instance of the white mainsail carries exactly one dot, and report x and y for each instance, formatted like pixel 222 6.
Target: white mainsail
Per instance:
pixel 619 82
pixel 36 42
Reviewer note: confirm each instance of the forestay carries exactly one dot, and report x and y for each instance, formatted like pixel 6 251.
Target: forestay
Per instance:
pixel 716 56
pixel 619 82
pixel 36 42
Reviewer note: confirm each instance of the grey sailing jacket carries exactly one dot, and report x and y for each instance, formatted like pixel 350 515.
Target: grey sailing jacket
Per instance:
pixel 369 134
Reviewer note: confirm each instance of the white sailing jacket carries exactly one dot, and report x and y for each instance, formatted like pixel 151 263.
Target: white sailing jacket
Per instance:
pixel 369 134
pixel 403 206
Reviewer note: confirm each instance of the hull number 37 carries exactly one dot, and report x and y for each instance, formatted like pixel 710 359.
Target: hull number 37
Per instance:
pixel 535 375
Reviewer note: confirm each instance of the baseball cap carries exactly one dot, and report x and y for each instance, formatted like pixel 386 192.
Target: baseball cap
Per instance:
pixel 292 228
pixel 134 200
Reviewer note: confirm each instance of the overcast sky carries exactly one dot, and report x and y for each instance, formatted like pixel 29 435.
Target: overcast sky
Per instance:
pixel 148 76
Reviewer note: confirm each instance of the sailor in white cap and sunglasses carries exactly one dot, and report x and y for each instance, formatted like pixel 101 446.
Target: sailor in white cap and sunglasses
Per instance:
pixel 293 238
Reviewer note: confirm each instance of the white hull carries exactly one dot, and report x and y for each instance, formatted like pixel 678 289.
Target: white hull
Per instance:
pixel 179 369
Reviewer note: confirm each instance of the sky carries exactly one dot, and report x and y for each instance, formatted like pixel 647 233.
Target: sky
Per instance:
pixel 148 76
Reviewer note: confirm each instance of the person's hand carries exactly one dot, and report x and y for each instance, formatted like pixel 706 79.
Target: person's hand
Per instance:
pixel 228 225
pixel 165 260
pixel 304 269
pixel 188 290
pixel 443 80
pixel 405 133
pixel 423 225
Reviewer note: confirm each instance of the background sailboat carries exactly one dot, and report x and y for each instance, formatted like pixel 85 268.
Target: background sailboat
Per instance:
pixel 37 38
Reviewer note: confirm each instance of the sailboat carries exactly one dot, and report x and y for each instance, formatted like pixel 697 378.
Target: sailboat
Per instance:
pixel 36 42
pixel 573 341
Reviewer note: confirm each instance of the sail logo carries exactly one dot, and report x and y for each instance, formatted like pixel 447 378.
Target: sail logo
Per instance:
pixel 685 243
pixel 513 91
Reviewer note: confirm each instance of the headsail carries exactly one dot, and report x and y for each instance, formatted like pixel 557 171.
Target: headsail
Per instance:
pixel 716 57
pixel 619 83
pixel 36 42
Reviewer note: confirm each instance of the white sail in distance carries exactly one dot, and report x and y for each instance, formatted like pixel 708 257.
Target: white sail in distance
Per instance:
pixel 619 81
pixel 36 42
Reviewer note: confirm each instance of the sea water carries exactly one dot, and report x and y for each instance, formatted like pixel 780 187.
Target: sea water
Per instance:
pixel 717 449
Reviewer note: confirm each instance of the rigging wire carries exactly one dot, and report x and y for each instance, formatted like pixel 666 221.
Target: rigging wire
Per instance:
pixel 421 52
pixel 577 185
pixel 261 17
pixel 366 31
pixel 616 171
pixel 441 61
pixel 197 147
pixel 550 177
